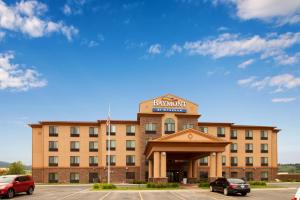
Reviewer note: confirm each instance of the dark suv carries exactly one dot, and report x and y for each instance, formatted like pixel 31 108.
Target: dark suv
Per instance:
pixel 230 186
pixel 13 184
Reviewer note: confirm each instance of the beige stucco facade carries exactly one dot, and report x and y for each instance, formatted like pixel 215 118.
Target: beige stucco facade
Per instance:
pixel 167 142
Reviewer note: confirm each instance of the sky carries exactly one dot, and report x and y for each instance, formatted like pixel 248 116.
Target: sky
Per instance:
pixel 70 59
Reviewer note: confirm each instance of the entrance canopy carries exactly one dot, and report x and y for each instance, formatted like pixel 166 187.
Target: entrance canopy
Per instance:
pixel 188 144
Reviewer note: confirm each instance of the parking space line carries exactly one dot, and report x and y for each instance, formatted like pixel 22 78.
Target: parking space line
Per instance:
pixel 106 195
pixel 177 195
pixel 72 194
pixel 141 197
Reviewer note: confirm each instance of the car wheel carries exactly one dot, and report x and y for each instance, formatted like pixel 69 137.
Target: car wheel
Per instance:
pixel 211 188
pixel 244 193
pixel 30 191
pixel 10 193
pixel 225 192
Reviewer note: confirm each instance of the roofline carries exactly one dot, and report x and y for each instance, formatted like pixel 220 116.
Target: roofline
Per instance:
pixel 98 122
pixel 233 125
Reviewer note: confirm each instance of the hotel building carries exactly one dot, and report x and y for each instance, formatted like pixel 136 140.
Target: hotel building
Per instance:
pixel 167 142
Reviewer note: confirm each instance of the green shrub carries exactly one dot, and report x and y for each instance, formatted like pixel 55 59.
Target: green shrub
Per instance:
pixel 96 186
pixel 108 186
pixel 138 182
pixel 104 186
pixel 203 185
pixel 162 185
pixel 259 183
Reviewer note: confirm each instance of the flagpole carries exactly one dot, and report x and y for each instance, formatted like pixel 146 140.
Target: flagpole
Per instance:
pixel 108 166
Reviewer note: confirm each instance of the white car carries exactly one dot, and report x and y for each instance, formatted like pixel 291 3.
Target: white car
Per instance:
pixel 297 195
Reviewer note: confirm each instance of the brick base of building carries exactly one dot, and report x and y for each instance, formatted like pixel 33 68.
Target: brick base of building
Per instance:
pixel 118 174
pixel 192 180
pixel 240 172
pixel 158 180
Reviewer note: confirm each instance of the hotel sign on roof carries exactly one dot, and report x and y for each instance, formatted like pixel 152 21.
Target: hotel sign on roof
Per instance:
pixel 169 104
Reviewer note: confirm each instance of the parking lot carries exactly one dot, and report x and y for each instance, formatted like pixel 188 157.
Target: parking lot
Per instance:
pixel 84 192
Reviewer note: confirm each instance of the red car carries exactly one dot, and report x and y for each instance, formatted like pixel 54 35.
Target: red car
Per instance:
pixel 13 184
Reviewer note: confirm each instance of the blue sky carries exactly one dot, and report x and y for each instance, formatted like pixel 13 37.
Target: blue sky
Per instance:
pixel 67 60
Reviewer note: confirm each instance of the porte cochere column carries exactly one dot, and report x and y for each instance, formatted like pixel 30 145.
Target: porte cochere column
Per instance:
pixel 215 165
pixel 159 166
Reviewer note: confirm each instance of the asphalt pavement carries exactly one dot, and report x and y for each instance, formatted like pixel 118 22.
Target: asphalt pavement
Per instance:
pixel 84 192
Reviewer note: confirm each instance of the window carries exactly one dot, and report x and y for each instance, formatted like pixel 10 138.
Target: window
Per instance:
pixel 130 160
pixel 221 132
pixel 74 177
pixel 264 176
pixel 112 129
pixel 53 146
pixel 74 161
pixel 130 175
pixel 264 135
pixel 130 130
pixel 111 145
pixel 93 146
pixel 150 128
pixel 93 161
pixel 203 176
pixel 264 148
pixel 203 161
pixel 249 161
pixel 248 148
pixel 233 148
pixel 74 146
pixel 93 132
pixel 233 134
pixel 130 145
pixel 203 129
pixel 249 176
pixel 53 161
pixel 223 160
pixel 234 161
pixel 53 131
pixel 74 131
pixel 169 126
pixel 248 134
pixel 264 161
pixel 93 177
pixel 187 126
pixel 112 160
pixel 52 178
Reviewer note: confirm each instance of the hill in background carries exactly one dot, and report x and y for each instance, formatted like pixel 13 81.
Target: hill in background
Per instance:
pixel 4 164
pixel 290 168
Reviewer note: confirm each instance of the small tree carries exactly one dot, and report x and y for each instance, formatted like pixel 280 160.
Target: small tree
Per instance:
pixel 16 168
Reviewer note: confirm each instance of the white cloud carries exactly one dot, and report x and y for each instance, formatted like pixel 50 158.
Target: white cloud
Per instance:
pixel 284 59
pixel 223 28
pixel 13 76
pixel 67 10
pixel 225 45
pixel 174 49
pixel 246 81
pixel 283 100
pixel 280 82
pixel 26 17
pixel 90 43
pixel 245 64
pixel 280 11
pixel 154 49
